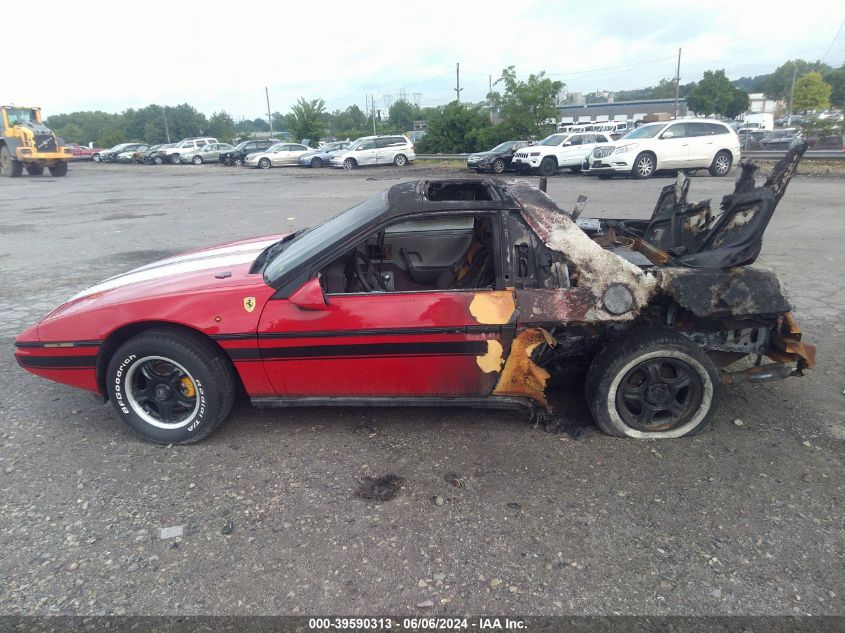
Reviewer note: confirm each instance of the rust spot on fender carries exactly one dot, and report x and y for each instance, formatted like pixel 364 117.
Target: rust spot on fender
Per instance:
pixel 493 308
pixel 492 361
pixel 521 376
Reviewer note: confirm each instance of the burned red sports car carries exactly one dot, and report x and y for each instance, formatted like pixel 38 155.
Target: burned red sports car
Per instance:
pixel 451 292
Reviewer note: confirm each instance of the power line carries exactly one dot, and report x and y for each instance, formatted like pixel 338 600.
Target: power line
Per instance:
pixel 835 37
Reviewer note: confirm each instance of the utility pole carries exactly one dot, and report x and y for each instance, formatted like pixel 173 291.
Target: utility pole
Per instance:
pixel 269 115
pixel 678 85
pixel 489 90
pixel 458 81
pixel 373 113
pixel 792 88
pixel 166 129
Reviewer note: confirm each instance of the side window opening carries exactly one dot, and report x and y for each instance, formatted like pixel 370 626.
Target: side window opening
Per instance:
pixel 450 252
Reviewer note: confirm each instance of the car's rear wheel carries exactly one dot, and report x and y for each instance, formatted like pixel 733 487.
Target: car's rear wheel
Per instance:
pixel 654 384
pixel 350 163
pixel 316 162
pixel 721 164
pixel 264 163
pixel 547 167
pixel 400 160
pixel 197 160
pixel 95 158
pixel 644 166
pixel 158 160
pixel 498 166
pixel 174 159
pixel 170 386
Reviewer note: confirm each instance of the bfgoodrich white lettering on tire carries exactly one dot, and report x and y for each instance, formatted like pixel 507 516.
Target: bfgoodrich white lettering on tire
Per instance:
pixel 118 393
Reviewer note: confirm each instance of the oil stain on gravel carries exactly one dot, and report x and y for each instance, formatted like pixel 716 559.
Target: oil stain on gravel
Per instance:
pixel 382 488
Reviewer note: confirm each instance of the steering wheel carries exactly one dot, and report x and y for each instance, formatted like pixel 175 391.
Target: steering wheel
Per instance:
pixel 364 268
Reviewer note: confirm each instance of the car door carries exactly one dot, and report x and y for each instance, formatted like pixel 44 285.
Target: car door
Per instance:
pixel 279 156
pixel 386 150
pixel 296 150
pixel 701 145
pixel 673 147
pixel 431 343
pixel 570 152
pixel 366 153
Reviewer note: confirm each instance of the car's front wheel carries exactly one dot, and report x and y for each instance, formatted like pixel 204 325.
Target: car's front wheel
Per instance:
pixel 350 163
pixel 238 162
pixel 197 160
pixel 644 166
pixel 175 159
pixel 171 387
pixel 547 167
pixel 498 166
pixel 264 163
pixel 721 164
pixel 96 158
pixel 654 384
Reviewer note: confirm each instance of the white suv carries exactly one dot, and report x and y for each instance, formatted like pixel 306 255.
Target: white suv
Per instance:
pixel 376 150
pixel 173 154
pixel 556 151
pixel 679 144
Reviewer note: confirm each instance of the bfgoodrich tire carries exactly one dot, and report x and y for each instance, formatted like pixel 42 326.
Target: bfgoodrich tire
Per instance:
pixel 654 384
pixel 171 387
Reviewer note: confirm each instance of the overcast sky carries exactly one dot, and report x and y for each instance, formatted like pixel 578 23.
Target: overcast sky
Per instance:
pixel 88 54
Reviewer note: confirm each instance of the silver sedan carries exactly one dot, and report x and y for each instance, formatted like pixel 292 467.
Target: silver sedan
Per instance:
pixel 207 153
pixel 277 155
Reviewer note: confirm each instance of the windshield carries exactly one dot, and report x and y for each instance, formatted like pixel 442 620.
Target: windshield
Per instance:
pixel 274 148
pixel 503 147
pixel 646 131
pixel 355 144
pixel 311 243
pixel 330 147
pixel 554 139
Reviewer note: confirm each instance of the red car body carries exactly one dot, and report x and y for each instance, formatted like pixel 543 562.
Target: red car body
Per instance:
pixel 80 152
pixel 302 321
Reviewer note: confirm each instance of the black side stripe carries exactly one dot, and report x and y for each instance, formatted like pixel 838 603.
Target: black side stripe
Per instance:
pixel 469 329
pixel 372 350
pixel 59 344
pixel 59 362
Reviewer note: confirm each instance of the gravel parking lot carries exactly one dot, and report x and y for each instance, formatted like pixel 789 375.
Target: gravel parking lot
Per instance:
pixel 744 519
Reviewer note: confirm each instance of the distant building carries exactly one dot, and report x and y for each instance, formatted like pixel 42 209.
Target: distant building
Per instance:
pixel 619 110
pixel 760 103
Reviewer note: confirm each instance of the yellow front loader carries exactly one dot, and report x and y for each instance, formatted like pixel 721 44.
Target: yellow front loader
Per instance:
pixel 26 143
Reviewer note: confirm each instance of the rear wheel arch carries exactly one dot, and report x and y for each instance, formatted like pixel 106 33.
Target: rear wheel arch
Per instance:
pixel 122 334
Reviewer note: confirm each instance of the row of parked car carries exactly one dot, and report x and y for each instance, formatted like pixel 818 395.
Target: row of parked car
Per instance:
pixel 688 144
pixel 266 153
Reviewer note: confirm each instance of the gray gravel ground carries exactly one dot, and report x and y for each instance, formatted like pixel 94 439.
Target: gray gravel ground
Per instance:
pixel 744 519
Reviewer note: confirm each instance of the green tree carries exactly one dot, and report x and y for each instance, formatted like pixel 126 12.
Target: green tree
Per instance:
pixel 836 80
pixel 525 107
pixel 811 93
pixel 402 116
pixel 454 128
pixel 221 126
pixel 778 84
pixel 715 94
pixel 185 121
pixel 71 133
pixel 305 120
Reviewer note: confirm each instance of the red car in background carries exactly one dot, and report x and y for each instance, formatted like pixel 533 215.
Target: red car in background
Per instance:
pixel 81 152
pixel 450 292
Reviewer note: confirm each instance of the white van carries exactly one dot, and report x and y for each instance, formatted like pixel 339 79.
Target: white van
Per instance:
pixel 376 150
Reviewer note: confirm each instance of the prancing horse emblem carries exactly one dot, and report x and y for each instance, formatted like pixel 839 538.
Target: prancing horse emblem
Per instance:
pixel 249 304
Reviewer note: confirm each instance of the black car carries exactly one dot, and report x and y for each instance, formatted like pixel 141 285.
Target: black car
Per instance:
pixel 237 155
pixel 496 160
pixel 154 154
